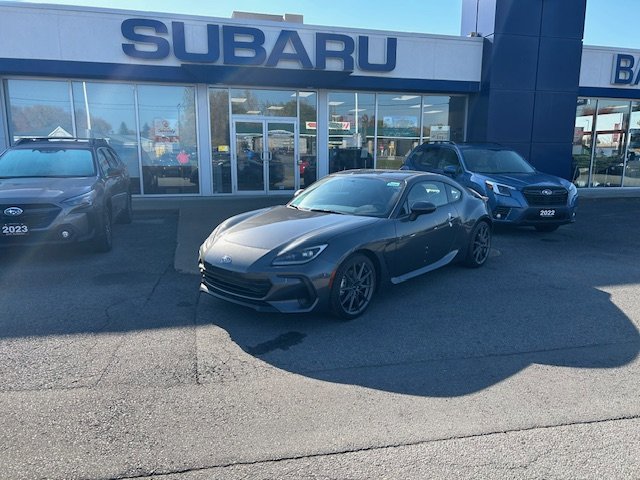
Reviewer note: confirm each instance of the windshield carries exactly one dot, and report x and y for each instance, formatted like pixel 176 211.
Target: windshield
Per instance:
pixel 351 194
pixel 484 160
pixel 46 162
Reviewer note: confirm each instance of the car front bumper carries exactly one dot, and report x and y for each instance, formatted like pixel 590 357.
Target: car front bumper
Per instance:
pixel 44 225
pixel 290 290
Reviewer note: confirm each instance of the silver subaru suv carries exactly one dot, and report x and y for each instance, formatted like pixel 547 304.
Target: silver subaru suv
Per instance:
pixel 62 190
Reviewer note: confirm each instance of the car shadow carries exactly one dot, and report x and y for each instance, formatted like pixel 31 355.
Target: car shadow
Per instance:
pixel 551 299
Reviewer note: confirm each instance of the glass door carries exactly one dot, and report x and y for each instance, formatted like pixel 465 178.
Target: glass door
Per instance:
pixel 265 156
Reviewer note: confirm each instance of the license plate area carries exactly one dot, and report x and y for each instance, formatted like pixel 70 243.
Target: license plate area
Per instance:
pixel 547 213
pixel 14 229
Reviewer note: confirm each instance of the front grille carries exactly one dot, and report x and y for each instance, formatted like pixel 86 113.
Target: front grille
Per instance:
pixel 244 285
pixel 534 196
pixel 35 216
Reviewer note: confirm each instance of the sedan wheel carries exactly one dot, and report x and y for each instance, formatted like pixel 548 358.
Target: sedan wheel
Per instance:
pixel 479 246
pixel 353 287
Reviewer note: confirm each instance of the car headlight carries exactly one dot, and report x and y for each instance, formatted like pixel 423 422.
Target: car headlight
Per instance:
pixel 84 200
pixel 499 188
pixel 298 256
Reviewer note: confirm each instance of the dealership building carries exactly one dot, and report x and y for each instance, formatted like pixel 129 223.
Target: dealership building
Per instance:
pixel 261 105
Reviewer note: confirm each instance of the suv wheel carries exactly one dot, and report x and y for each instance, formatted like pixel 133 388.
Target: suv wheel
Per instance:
pixel 103 240
pixel 126 216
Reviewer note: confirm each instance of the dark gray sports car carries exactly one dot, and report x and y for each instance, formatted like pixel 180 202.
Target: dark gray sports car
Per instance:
pixel 338 240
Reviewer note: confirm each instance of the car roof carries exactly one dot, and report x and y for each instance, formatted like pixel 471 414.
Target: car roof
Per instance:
pixel 391 175
pixel 28 142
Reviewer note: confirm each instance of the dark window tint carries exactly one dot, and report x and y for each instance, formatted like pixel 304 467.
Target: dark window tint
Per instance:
pixel 432 192
pixel 103 161
pixel 484 160
pixel 453 193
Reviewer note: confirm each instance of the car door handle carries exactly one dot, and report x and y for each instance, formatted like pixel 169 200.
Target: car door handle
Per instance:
pixel 451 219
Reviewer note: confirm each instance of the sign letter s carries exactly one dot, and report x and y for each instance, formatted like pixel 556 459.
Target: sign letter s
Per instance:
pixel 130 28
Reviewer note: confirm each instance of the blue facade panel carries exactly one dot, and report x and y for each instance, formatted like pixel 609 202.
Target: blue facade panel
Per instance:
pixel 554 158
pixel 530 82
pixel 518 17
pixel 559 18
pixel 559 64
pixel 510 116
pixel 514 62
pixel 554 117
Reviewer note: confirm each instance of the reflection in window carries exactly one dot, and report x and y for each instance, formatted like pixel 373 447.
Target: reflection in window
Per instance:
pixel 582 141
pixel 168 139
pixel 443 118
pixel 39 108
pixel 632 167
pixel 104 110
pixel 307 144
pixel 220 140
pixel 610 138
pixel 398 128
pixel 272 103
pixel 351 130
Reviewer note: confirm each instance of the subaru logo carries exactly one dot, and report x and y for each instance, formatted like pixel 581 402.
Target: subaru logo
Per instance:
pixel 226 259
pixel 546 191
pixel 13 211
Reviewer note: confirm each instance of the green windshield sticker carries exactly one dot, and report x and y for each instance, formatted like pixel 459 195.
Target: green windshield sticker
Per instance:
pixel 393 184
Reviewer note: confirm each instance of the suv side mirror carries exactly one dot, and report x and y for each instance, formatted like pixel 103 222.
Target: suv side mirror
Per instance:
pixel 421 208
pixel 451 171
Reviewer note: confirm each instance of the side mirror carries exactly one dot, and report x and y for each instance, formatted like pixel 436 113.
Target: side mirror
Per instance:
pixel 451 170
pixel 421 208
pixel 298 192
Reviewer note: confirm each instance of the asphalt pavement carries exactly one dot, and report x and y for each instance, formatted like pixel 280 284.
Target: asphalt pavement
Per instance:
pixel 113 366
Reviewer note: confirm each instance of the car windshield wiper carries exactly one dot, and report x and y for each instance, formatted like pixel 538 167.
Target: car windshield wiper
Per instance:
pixel 322 210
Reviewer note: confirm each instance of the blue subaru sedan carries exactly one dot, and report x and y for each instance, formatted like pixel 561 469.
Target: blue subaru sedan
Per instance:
pixel 516 192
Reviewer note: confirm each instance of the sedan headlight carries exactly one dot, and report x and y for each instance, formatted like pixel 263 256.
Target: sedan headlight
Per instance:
pixel 499 188
pixel 298 256
pixel 84 200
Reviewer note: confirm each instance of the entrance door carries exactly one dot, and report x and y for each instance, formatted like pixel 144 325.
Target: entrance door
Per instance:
pixel 265 153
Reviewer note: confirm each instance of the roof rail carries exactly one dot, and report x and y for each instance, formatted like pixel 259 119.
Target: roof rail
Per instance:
pixel 441 141
pixel 90 141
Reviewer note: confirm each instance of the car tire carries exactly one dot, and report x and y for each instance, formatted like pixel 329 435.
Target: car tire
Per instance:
pixel 479 245
pixel 546 228
pixel 354 284
pixel 103 240
pixel 127 214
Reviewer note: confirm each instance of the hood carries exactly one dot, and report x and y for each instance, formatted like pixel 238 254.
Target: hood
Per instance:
pixel 280 225
pixel 522 180
pixel 25 190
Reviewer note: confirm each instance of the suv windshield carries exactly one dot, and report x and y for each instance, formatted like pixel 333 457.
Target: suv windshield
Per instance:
pixel 484 160
pixel 46 162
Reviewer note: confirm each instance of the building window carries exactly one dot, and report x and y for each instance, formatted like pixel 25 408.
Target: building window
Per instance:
pixel 264 103
pixel 351 125
pixel 308 133
pixel 220 140
pixel 610 143
pixel 398 128
pixel 443 118
pixel 583 141
pixel 632 166
pixel 106 110
pixel 167 116
pixel 367 130
pixel 39 108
